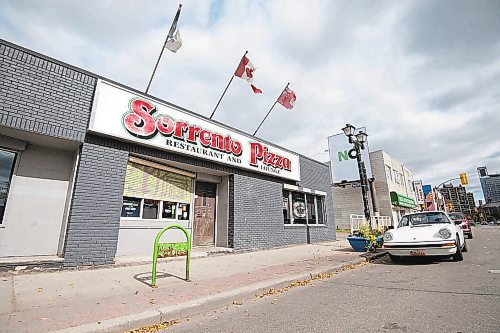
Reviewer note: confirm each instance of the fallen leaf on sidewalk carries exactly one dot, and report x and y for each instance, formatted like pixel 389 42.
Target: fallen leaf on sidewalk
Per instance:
pixel 44 318
pixel 40 290
pixel 152 301
pixel 237 303
pixel 154 328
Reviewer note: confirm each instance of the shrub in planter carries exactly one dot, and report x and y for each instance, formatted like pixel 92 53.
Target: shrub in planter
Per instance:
pixel 366 239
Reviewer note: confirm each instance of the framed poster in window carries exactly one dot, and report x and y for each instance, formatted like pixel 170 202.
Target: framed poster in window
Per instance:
pixel 131 207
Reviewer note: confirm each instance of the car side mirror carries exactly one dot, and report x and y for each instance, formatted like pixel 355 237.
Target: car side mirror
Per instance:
pixel 390 227
pixel 457 222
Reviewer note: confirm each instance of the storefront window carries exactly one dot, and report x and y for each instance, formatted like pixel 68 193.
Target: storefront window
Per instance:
pixel 299 208
pixel 7 160
pixel 311 209
pixel 131 207
pixel 168 210
pixel 286 207
pixel 303 208
pixel 321 209
pixel 150 209
pixel 183 211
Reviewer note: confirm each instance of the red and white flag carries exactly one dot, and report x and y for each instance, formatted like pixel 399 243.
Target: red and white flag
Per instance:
pixel 245 71
pixel 287 98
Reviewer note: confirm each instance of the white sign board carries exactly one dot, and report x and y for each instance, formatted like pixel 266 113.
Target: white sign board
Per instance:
pixel 343 159
pixel 419 191
pixel 124 114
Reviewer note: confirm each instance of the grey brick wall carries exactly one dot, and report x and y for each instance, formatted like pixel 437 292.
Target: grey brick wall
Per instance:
pixel 41 95
pixel 255 211
pixel 94 218
pixel 258 216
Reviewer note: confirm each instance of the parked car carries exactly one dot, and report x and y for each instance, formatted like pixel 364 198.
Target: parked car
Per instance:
pixel 484 222
pixel 460 219
pixel 425 234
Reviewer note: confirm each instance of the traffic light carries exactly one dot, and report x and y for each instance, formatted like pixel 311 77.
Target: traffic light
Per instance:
pixel 463 179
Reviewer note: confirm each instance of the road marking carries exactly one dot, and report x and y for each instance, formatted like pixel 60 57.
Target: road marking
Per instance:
pixel 494 271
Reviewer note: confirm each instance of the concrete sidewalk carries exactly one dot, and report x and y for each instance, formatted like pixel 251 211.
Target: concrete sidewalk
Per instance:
pixel 119 298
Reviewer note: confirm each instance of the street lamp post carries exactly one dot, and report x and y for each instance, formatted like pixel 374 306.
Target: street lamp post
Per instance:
pixel 358 141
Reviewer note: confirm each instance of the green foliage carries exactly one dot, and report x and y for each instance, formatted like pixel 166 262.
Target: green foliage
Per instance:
pixel 370 234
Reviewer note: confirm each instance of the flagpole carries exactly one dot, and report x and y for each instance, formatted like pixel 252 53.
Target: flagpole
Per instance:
pixel 170 35
pixel 220 99
pixel 268 112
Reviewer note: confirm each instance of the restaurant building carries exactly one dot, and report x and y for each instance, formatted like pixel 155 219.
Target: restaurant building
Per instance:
pixel 92 170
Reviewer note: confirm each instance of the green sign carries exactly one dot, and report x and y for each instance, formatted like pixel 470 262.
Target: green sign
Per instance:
pixel 343 155
pixel 401 200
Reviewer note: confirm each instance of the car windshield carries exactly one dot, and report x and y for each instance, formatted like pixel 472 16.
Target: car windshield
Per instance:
pixel 423 219
pixel 457 216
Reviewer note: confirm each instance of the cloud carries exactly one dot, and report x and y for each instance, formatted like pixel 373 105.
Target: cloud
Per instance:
pixel 422 76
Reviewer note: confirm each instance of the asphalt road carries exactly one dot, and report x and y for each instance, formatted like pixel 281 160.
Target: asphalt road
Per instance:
pixel 422 295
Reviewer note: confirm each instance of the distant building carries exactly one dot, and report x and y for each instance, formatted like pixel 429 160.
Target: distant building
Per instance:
pixel 393 191
pixel 490 184
pixel 460 199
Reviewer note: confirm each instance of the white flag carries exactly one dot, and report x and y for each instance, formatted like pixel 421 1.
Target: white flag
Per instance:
pixel 174 43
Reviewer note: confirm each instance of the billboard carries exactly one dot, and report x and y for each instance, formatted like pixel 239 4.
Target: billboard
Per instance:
pixel 419 191
pixel 344 166
pixel 131 116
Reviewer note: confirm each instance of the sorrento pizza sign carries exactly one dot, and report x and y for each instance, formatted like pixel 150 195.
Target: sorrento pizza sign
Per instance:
pixel 120 113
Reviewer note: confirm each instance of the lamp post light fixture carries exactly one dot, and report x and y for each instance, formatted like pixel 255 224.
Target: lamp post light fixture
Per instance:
pixel 358 141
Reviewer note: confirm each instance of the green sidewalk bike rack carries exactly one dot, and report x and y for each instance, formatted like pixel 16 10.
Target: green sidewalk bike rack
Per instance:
pixel 163 250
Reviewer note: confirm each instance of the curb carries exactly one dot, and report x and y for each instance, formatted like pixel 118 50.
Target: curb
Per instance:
pixel 207 303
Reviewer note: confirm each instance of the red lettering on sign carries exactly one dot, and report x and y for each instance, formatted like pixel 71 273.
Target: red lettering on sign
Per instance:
pixel 259 152
pixel 140 122
pixel 205 138
pixel 165 125
pixel 193 133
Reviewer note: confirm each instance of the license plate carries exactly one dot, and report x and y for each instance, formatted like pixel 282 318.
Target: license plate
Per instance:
pixel 417 253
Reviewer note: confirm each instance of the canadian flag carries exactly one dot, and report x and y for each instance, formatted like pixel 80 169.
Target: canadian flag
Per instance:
pixel 287 98
pixel 245 71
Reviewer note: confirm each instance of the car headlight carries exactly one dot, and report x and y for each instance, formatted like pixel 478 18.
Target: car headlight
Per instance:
pixel 445 233
pixel 387 236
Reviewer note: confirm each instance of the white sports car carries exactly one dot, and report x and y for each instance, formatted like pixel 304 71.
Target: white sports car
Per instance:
pixel 425 234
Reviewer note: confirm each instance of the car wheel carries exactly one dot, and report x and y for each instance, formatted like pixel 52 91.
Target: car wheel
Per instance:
pixel 465 248
pixel 395 258
pixel 470 236
pixel 458 256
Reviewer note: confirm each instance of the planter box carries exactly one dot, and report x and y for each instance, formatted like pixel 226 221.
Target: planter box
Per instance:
pixel 359 244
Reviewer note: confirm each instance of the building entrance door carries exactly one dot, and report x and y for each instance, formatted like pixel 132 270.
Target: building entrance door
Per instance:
pixel 204 213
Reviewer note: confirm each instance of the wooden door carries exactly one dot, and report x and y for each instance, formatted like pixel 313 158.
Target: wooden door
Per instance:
pixel 204 213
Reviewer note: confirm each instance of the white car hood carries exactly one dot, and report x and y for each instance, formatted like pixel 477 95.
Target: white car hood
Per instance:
pixel 420 233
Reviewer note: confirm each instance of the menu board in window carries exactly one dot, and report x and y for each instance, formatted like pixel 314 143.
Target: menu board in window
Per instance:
pixel 131 207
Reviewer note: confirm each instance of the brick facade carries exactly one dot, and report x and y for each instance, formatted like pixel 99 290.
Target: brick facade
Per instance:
pixel 40 95
pixel 94 219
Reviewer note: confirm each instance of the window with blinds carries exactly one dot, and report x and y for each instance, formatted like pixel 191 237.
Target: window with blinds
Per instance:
pixel 151 193
pixel 143 181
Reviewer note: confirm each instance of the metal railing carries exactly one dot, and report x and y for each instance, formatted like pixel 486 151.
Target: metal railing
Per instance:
pixel 376 221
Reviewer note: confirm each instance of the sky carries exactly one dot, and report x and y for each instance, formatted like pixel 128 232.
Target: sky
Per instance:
pixel 422 76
